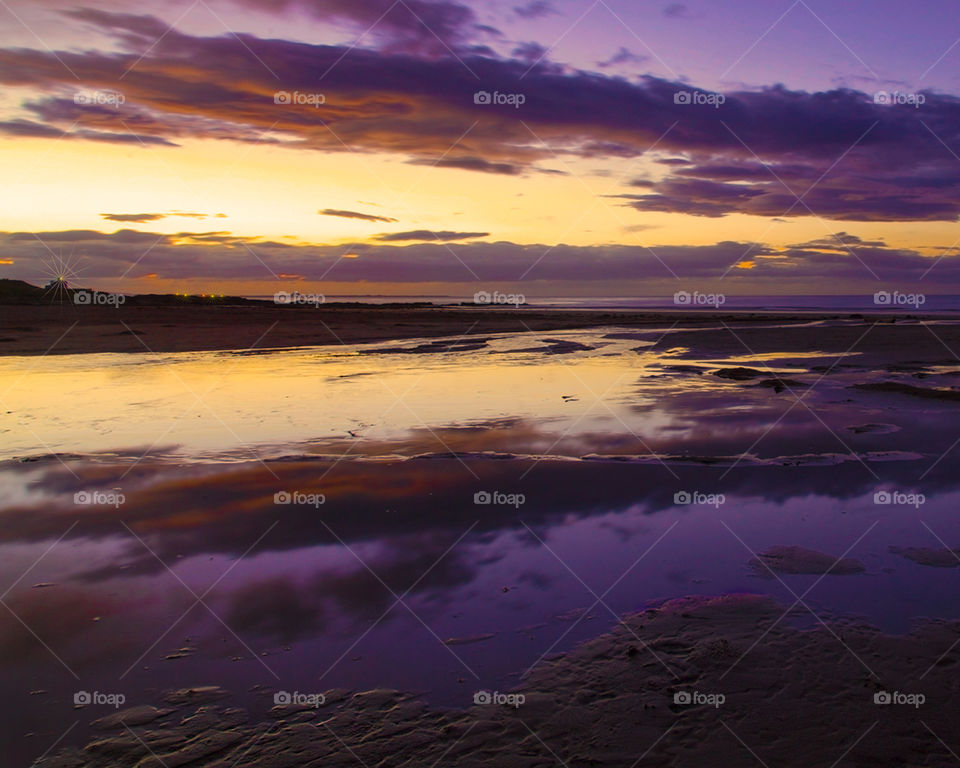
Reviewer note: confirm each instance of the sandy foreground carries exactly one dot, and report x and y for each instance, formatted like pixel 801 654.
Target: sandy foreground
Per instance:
pixel 726 681
pixel 70 329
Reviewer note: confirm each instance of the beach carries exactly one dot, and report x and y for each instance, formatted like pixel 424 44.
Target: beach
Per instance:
pixel 35 329
pixel 636 693
pixel 280 556
pixel 423 384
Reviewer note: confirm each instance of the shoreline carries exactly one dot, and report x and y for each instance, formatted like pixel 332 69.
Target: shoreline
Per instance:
pixel 27 330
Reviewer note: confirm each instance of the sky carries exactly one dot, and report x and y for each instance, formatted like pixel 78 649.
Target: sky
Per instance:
pixel 547 147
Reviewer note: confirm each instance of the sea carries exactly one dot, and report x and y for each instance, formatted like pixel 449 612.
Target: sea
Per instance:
pixel 880 301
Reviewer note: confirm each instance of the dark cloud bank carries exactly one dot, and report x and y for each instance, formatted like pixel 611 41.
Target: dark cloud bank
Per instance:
pixel 845 156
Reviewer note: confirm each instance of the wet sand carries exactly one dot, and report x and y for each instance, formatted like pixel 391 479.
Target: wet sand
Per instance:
pixel 801 690
pixel 711 408
pixel 70 329
pixel 700 681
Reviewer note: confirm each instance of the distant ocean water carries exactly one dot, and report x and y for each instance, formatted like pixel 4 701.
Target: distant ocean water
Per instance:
pixel 853 302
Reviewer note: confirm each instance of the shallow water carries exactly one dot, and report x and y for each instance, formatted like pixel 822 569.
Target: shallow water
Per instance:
pixel 602 389
pixel 588 445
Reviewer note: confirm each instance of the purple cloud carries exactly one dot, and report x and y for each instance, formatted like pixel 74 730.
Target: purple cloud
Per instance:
pixel 535 9
pixel 623 56
pixel 429 234
pixel 427 27
pixel 355 215
pixel 846 156
pixel 841 259
pixel 677 11
pixel 138 218
pixel 470 164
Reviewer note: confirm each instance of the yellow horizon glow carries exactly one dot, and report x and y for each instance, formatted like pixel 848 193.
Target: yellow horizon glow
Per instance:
pixel 275 193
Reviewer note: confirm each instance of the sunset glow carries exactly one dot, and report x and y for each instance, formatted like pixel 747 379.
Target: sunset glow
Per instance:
pixel 217 134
